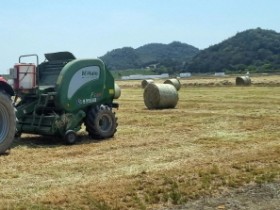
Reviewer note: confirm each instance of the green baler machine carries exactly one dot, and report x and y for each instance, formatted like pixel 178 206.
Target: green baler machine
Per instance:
pixel 57 96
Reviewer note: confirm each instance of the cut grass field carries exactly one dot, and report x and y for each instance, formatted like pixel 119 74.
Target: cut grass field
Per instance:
pixel 217 138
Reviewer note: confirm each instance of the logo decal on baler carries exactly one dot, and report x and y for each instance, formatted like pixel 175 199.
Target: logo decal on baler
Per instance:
pixel 86 101
pixel 81 77
pixel 90 74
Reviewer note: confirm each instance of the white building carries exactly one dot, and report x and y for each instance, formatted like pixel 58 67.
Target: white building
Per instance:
pixel 220 74
pixel 185 74
pixel 140 76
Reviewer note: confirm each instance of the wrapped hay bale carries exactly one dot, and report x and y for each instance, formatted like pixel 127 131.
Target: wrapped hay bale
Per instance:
pixel 175 82
pixel 117 91
pixel 160 96
pixel 243 81
pixel 146 82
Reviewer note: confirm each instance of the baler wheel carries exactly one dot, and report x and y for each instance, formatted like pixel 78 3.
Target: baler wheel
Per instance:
pixel 101 122
pixel 70 137
pixel 7 122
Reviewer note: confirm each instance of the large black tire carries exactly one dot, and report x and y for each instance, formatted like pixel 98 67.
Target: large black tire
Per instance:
pixel 7 122
pixel 101 122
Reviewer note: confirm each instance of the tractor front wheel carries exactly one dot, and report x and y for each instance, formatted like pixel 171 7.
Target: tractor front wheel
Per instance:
pixel 7 122
pixel 101 122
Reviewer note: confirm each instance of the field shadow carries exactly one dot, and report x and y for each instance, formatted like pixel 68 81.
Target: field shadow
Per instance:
pixel 38 141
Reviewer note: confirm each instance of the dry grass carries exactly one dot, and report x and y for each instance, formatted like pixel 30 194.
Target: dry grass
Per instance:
pixel 215 139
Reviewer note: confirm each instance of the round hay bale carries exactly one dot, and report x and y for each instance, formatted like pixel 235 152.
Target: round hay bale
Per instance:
pixel 146 82
pixel 243 81
pixel 160 96
pixel 117 91
pixel 175 82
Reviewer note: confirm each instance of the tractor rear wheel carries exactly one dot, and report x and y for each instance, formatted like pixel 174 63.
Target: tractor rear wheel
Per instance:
pixel 101 122
pixel 7 122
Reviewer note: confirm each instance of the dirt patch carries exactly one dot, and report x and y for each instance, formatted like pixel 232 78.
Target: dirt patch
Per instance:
pixel 255 197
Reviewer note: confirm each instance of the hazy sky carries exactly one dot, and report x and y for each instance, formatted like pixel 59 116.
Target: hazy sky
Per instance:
pixel 90 28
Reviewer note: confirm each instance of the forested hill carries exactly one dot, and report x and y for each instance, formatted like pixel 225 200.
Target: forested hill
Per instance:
pixel 254 50
pixel 173 55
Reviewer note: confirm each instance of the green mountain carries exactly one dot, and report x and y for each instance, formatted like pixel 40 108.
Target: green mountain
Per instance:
pixel 254 50
pixel 175 54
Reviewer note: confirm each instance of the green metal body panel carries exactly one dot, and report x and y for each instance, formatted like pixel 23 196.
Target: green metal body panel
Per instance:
pixel 82 83
pixel 67 89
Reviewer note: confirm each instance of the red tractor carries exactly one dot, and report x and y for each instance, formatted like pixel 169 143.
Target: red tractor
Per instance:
pixel 7 116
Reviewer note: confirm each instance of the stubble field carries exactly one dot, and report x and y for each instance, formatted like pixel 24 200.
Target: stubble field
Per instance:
pixel 218 139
